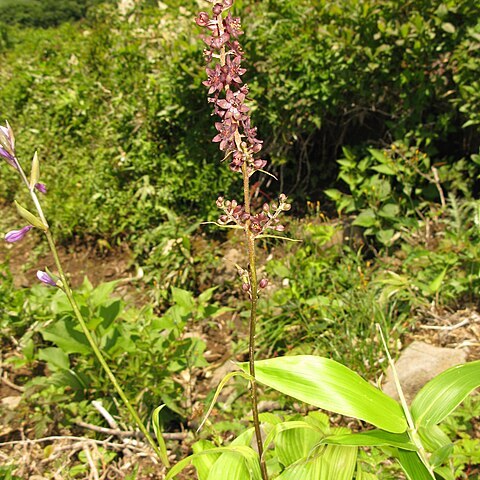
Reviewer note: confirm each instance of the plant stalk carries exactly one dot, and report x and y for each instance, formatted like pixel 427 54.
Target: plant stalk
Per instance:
pixel 252 272
pixel 161 451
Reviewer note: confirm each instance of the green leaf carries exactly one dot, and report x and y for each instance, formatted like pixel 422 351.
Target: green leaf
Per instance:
pixel 379 156
pixel 183 298
pixel 56 358
pixel 239 456
pixel 367 218
pixel 385 169
pixel 331 462
pixel 331 386
pixel 372 438
pixel 293 440
pixel 448 27
pixel 158 433
pixel 436 283
pixel 65 335
pixel 413 466
pixel 29 217
pixel 204 463
pixel 361 475
pixel 441 395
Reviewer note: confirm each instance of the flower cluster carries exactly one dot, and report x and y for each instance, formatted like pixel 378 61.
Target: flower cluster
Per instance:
pixel 227 93
pixel 234 213
pixel 7 151
pixel 246 285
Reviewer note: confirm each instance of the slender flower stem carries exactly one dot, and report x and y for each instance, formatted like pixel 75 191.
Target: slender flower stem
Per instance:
pixel 252 271
pixel 161 451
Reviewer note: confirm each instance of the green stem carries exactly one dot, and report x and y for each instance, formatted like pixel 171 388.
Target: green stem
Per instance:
pixel 160 448
pixel 252 271
pixel 412 430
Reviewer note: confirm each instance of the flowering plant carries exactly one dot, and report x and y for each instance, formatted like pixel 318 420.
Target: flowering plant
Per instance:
pixel 39 221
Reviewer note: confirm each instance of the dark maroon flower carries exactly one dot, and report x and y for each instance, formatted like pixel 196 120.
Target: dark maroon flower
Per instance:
pixel 202 19
pixel 233 105
pixel 217 9
pixel 233 70
pixel 233 25
pixel 226 133
pixel 216 79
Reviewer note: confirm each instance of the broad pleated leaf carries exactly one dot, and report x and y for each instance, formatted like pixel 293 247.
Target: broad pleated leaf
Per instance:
pixel 240 455
pixel 373 438
pixel 361 475
pixel 333 462
pixel 440 396
pixel 293 443
pixel 233 466
pixel 330 385
pixel 204 463
pixel 413 466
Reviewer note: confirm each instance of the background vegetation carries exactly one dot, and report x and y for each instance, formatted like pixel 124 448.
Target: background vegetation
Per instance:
pixel 370 114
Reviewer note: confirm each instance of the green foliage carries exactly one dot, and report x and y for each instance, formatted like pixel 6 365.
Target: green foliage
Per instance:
pixel 135 342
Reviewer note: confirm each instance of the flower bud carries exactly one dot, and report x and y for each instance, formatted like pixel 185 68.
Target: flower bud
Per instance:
pixel 279 228
pixel 262 283
pixel 266 207
pixel 282 198
pixel 217 9
pixel 219 202
pixel 41 187
pixel 286 207
pixel 16 235
pixel 246 287
pixel 44 277
pixel 202 19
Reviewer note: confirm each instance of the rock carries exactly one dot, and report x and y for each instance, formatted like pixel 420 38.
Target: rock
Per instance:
pixel 418 364
pixel 11 402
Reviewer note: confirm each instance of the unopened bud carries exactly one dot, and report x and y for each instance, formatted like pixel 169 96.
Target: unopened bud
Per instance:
pixel 262 283
pixel 217 9
pixel 279 228
pixel 219 202
pixel 282 198
pixel 286 207
pixel 246 287
pixel 266 207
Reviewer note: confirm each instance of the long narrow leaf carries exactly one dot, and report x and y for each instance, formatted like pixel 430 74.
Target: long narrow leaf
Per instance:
pixel 372 438
pixel 439 397
pixel 413 466
pixel 330 385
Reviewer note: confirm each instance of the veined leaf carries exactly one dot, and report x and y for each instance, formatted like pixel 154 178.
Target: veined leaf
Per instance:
pixel 331 462
pixel 331 386
pixel 372 438
pixel 240 455
pixel 204 463
pixel 440 396
pixel 413 466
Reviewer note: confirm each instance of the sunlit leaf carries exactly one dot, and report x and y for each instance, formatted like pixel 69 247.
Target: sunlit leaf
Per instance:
pixel 372 438
pixel 332 386
pixel 440 396
pixel 413 466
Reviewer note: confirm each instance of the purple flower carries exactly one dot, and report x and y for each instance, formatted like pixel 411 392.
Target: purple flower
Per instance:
pixel 225 136
pixel 16 235
pixel 7 145
pixel 44 277
pixel 234 105
pixel 233 26
pixel 41 187
pixel 233 70
pixel 202 19
pixel 216 79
